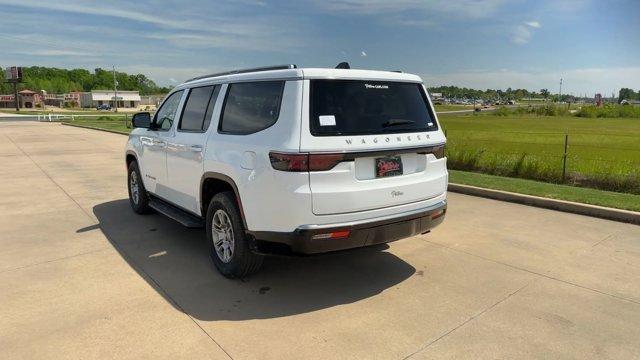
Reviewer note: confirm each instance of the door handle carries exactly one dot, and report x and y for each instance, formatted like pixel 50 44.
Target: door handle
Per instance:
pixel 196 148
pixel 159 143
pixel 146 140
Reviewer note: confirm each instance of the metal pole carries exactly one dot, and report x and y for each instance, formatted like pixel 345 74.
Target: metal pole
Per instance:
pixel 560 93
pixel 115 88
pixel 15 95
pixel 564 157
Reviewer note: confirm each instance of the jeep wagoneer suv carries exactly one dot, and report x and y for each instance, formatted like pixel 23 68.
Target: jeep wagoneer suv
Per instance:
pixel 290 160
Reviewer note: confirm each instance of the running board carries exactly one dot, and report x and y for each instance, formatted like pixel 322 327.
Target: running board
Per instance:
pixel 175 213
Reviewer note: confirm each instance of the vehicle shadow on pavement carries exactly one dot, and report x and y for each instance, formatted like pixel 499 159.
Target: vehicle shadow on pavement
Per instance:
pixel 175 261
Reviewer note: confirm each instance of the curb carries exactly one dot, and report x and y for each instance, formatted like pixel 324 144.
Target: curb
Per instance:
pixel 626 216
pixel 95 128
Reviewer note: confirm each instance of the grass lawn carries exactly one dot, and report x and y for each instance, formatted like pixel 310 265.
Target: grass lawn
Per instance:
pixel 108 123
pixel 553 191
pixel 602 152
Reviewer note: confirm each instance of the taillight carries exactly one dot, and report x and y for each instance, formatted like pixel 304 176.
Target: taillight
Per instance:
pixel 323 162
pixel 438 152
pixel 304 162
pixel 289 162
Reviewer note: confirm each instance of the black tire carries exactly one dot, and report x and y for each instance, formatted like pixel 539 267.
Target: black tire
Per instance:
pixel 139 204
pixel 243 261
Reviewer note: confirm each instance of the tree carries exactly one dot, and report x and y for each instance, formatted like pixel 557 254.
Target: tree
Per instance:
pixel 544 93
pixel 56 81
pixel 627 94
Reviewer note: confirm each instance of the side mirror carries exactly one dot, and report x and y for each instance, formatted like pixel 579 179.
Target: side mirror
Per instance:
pixel 141 120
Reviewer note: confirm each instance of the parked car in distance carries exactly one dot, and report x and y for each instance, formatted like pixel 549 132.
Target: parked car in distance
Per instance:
pixel 284 160
pixel 105 107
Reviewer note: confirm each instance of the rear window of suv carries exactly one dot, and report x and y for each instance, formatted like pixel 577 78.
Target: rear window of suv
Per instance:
pixel 359 107
pixel 251 107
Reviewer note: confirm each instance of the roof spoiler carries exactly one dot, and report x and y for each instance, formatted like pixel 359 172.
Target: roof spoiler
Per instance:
pixel 242 71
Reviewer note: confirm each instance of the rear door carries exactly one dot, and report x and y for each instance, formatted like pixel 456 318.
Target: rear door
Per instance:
pixel 185 151
pixel 385 137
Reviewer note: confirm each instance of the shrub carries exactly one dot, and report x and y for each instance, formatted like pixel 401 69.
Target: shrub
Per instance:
pixel 609 111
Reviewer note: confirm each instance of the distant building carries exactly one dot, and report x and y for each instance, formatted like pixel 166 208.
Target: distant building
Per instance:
pixel 6 101
pixel 73 99
pixel 152 100
pixel 26 99
pixel 95 98
pixel 30 99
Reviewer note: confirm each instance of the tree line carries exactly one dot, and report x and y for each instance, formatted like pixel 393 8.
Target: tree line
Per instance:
pixel 628 94
pixel 61 81
pixel 488 94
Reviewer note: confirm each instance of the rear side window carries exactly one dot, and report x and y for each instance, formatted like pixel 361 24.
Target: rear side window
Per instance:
pixel 198 108
pixel 251 107
pixel 355 107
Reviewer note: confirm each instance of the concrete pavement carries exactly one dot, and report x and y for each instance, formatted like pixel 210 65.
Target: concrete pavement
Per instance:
pixel 82 276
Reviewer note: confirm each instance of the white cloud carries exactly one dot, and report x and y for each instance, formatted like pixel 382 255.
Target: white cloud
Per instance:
pixel 36 52
pixel 577 81
pixel 521 35
pixel 460 8
pixel 100 9
pixel 181 26
pixel 363 53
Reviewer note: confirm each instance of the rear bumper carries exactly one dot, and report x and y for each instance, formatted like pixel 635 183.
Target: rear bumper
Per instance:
pixel 304 240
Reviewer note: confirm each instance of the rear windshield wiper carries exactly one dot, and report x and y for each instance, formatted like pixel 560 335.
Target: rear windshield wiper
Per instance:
pixel 394 122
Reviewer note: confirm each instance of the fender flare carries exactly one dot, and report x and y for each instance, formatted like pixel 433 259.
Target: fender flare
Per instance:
pixel 132 153
pixel 228 180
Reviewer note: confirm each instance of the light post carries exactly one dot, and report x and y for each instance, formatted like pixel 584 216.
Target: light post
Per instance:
pixel 560 92
pixel 115 88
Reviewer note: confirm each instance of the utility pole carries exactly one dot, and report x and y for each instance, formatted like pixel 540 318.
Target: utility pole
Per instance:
pixel 115 88
pixel 15 95
pixel 560 94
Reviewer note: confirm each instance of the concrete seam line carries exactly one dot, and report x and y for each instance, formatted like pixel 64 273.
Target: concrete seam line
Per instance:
pixel 534 273
pixel 473 317
pixel 547 203
pixel 50 178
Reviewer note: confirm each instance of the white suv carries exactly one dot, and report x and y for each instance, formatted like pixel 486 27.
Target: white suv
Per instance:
pixel 290 160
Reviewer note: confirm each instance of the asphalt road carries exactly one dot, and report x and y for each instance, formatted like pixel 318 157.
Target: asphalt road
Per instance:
pixel 81 276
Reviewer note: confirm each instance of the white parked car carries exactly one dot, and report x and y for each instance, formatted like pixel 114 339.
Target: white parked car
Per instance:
pixel 290 160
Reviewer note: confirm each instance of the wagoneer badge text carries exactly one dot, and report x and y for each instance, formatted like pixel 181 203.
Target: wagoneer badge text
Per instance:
pixel 391 139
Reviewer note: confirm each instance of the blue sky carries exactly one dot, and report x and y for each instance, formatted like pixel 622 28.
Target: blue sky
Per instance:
pixel 593 45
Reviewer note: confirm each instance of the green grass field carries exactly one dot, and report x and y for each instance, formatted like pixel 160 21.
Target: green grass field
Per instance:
pixel 117 123
pixel 553 191
pixel 602 153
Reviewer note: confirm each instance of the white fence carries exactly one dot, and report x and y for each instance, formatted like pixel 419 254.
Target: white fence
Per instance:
pixel 72 117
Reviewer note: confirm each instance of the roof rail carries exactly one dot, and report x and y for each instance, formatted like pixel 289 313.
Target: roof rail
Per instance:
pixel 242 71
